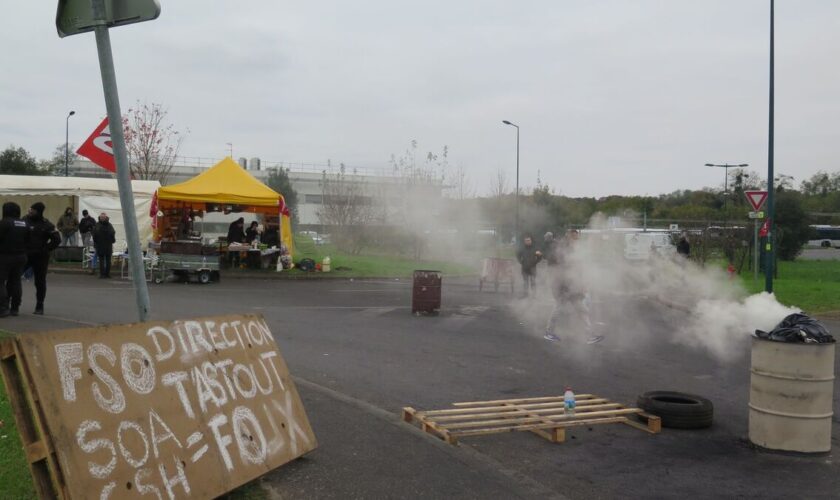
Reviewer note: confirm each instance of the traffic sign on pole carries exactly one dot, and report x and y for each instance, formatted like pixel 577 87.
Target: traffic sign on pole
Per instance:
pixel 756 199
pixel 75 16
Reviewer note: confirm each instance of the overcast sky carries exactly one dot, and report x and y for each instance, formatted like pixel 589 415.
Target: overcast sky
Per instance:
pixel 613 97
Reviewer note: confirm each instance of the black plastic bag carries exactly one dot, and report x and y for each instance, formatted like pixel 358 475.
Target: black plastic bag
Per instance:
pixel 798 328
pixel 306 265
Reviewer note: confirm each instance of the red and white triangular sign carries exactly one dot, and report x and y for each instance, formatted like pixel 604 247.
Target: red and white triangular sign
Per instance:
pixel 98 149
pixel 756 198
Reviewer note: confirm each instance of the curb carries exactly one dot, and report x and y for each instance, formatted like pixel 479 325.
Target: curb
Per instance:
pixel 272 275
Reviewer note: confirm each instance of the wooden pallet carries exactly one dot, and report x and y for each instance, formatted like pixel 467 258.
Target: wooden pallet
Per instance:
pixel 543 416
pixel 29 416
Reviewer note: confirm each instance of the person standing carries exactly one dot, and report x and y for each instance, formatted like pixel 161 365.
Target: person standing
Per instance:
pixel 683 246
pixel 13 238
pixel 104 237
pixel 68 225
pixel 43 239
pixel 528 257
pixel 86 229
pixel 252 233
pixel 236 234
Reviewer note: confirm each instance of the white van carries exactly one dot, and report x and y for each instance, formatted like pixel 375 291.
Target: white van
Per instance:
pixel 641 246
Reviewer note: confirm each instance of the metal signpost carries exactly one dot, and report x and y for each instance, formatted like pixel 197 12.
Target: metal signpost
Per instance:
pixel 756 199
pixel 79 16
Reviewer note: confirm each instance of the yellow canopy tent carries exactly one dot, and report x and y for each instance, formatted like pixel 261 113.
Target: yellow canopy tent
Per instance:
pixel 227 183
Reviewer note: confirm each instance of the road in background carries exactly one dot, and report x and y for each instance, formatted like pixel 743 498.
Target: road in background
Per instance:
pixel 360 356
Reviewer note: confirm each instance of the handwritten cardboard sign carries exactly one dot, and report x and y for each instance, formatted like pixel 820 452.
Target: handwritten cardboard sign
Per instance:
pixel 166 410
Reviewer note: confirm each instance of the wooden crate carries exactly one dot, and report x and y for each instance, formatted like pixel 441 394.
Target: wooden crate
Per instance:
pixel 29 416
pixel 544 416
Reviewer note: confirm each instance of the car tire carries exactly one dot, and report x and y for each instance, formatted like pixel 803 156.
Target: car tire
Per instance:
pixel 678 410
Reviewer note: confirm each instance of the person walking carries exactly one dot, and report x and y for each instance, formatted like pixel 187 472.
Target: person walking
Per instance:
pixel 68 225
pixel 86 226
pixel 528 257
pixel 43 239
pixel 569 300
pixel 104 237
pixel 13 238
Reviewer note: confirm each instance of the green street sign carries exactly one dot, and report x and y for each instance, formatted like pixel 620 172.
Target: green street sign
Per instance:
pixel 75 16
pixel 756 215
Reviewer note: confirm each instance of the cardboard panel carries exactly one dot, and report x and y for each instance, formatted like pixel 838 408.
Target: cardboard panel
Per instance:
pixel 184 409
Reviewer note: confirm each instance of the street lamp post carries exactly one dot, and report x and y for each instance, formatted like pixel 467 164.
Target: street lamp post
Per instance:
pixel 726 167
pixel 516 220
pixel 67 143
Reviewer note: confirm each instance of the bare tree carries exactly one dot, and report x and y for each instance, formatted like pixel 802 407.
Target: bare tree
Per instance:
pixel 347 205
pixel 499 186
pixel 152 144
pixel 461 184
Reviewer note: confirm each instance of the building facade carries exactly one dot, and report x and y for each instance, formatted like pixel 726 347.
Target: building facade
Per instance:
pixel 399 198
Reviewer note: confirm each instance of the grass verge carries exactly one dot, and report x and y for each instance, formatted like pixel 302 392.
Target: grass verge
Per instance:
pixel 812 285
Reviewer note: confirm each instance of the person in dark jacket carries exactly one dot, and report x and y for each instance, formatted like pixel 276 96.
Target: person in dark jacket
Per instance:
pixel 550 249
pixel 252 232
pixel 528 257
pixel 43 239
pixel 683 246
pixel 236 234
pixel 86 228
pixel 104 237
pixel 13 238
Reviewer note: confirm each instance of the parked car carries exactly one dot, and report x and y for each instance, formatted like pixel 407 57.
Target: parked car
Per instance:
pixel 641 246
pixel 316 238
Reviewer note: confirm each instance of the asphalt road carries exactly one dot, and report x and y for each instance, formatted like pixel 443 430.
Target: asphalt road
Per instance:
pixel 820 254
pixel 360 356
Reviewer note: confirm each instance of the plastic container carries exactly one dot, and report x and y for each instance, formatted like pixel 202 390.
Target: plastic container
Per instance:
pixel 569 402
pixel 325 264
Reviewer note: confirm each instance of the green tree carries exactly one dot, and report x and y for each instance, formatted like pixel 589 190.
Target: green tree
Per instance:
pixel 18 161
pixel 278 180
pixel 792 224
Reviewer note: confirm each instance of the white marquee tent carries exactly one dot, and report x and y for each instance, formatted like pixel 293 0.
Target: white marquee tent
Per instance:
pixel 81 193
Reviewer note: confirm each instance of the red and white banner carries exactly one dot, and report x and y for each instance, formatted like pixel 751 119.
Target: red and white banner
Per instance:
pixel 765 228
pixel 98 149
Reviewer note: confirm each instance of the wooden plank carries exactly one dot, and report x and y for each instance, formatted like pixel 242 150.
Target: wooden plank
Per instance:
pixel 527 420
pixel 16 391
pixel 512 428
pixel 55 473
pixel 548 435
pixel 520 400
pixel 559 410
pixel 554 404
pixel 35 451
pixel 408 414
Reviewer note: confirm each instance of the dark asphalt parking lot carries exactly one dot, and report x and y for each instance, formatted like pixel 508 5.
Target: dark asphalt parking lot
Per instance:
pixel 360 356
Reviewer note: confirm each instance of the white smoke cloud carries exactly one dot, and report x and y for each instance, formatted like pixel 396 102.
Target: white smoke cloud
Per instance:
pixel 702 307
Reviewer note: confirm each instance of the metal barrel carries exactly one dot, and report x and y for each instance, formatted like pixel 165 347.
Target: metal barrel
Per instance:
pixel 791 396
pixel 426 290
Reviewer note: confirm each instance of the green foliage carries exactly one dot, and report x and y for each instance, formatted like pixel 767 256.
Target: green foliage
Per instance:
pixel 18 161
pixel 278 180
pixel 792 224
